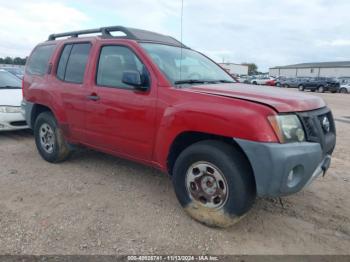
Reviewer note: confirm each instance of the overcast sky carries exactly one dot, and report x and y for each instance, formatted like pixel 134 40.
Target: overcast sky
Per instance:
pixel 266 32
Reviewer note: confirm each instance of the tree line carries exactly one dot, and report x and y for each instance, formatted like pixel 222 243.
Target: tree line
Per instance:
pixel 13 61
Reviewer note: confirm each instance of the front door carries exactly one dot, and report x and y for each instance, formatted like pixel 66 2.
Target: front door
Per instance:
pixel 120 118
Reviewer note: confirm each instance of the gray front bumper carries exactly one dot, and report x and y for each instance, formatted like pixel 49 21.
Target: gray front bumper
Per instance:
pixel 273 162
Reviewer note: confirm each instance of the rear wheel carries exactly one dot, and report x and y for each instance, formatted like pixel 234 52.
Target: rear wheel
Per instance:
pixel 301 88
pixel 49 139
pixel 343 90
pixel 286 85
pixel 254 83
pixel 278 84
pixel 320 89
pixel 214 183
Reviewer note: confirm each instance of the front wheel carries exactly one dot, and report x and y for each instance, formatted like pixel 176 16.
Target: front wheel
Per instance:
pixel 343 90
pixel 320 89
pixel 214 183
pixel 301 88
pixel 49 139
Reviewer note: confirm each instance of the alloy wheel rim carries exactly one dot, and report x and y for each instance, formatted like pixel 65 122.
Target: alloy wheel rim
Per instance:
pixel 47 138
pixel 206 185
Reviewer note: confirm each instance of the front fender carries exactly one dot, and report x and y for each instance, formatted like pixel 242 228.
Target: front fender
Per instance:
pixel 225 117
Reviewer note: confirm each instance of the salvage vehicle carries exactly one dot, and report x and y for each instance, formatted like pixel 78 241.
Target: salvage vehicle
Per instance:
pixel 261 80
pixel 320 84
pixel 11 117
pixel 345 87
pixel 149 98
pixel 291 81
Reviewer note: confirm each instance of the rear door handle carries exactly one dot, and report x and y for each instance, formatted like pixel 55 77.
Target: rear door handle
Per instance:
pixel 93 97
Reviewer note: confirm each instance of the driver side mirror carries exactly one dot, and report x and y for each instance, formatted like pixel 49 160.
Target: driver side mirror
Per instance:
pixel 135 79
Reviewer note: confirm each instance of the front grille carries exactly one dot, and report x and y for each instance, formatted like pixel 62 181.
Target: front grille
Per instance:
pixel 315 132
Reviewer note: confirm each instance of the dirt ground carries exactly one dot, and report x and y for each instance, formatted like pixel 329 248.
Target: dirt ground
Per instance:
pixel 98 204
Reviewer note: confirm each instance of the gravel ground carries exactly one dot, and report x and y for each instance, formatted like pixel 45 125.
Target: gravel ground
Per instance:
pixel 98 204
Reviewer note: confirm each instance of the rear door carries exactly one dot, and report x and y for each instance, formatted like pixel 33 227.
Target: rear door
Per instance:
pixel 121 118
pixel 70 81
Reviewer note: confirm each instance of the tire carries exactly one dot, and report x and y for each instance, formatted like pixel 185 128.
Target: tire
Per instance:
pixel 254 83
pixel 278 84
pixel 343 90
pixel 233 175
pixel 49 139
pixel 320 89
pixel 286 86
pixel 301 88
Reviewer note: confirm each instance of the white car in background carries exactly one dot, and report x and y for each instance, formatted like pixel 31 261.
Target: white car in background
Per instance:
pixel 261 80
pixel 11 117
pixel 344 86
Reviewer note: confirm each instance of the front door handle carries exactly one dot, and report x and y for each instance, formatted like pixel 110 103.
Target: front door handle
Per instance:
pixel 93 97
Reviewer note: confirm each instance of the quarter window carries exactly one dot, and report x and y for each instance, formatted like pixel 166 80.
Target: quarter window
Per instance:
pixel 113 62
pixel 72 64
pixel 38 63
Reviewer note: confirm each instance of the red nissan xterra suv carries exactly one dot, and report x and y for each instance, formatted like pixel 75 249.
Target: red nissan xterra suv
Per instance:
pixel 147 97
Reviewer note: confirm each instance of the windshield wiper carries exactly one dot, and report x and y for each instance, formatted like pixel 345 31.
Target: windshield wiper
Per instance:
pixel 197 81
pixel 224 81
pixel 10 87
pixel 190 81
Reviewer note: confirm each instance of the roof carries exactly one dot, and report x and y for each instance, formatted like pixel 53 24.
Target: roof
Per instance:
pixel 128 33
pixel 317 64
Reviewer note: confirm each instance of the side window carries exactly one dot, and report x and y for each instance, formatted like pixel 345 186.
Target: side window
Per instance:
pixel 72 64
pixel 61 69
pixel 38 62
pixel 113 61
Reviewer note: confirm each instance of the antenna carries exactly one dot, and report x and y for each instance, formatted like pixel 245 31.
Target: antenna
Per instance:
pixel 182 13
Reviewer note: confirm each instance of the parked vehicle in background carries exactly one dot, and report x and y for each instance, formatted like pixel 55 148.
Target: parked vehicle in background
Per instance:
pixel 11 117
pixel 126 96
pixel 279 80
pixel 293 82
pixel 345 87
pixel 17 71
pixel 261 80
pixel 343 80
pixel 244 79
pixel 320 84
pixel 271 82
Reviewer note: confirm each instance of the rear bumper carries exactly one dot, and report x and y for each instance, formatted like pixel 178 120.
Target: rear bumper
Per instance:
pixel 273 163
pixel 12 121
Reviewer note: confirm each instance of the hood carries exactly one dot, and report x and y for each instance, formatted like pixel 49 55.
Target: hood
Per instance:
pixel 10 97
pixel 281 100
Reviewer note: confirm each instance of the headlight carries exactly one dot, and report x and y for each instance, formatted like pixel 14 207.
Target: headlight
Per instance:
pixel 288 128
pixel 10 109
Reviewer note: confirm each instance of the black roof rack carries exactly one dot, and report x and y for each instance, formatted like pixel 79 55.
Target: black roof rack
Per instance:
pixel 130 33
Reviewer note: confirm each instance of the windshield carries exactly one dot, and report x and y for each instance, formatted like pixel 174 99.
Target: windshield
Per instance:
pixel 9 81
pixel 195 67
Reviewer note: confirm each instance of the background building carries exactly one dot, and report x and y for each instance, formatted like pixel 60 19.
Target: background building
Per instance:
pixel 325 69
pixel 235 69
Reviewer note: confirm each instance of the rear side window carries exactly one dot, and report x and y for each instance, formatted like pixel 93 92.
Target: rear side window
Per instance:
pixel 61 70
pixel 38 63
pixel 72 64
